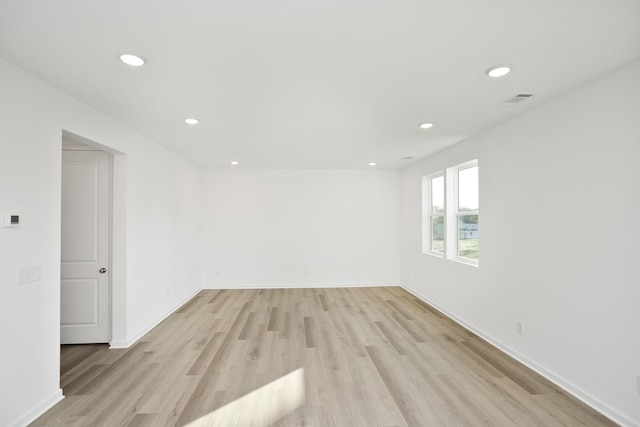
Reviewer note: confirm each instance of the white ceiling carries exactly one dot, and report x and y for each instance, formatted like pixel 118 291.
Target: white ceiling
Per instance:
pixel 315 84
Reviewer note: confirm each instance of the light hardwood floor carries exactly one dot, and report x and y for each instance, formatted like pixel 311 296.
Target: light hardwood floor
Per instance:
pixel 333 357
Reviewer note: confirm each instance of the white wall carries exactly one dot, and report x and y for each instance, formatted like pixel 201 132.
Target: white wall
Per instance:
pixel 162 199
pixel 300 228
pixel 559 203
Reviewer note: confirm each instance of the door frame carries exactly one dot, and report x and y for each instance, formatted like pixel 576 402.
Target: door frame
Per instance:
pixel 118 237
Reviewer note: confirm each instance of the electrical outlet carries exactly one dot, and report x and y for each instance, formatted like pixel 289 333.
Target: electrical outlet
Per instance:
pixel 519 327
pixel 638 378
pixel 29 274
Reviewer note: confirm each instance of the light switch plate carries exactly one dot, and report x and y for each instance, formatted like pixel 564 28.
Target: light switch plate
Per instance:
pixel 29 274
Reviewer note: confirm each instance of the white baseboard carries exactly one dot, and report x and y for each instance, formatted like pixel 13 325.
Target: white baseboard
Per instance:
pixel 131 341
pixel 39 410
pixel 298 285
pixel 567 386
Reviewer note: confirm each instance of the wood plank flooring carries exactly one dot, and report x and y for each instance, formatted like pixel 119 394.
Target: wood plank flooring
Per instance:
pixel 307 357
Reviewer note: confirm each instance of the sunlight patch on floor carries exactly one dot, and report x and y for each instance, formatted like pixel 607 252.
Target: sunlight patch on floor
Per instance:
pixel 261 407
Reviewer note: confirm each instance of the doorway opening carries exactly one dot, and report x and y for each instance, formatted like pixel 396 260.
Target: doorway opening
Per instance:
pixel 80 306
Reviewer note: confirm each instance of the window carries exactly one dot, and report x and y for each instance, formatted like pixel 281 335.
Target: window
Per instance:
pixel 434 212
pixel 466 211
pixel 451 213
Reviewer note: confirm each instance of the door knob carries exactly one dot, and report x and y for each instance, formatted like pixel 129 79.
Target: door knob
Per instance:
pixel 103 270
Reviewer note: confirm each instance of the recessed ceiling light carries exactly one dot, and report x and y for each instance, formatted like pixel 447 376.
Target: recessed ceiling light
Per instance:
pixel 372 164
pixel 234 163
pixel 131 59
pixel 498 70
pixel 426 125
pixel 191 121
pixel 407 158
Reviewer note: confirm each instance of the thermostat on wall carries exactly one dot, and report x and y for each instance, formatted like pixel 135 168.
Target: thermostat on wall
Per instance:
pixel 9 220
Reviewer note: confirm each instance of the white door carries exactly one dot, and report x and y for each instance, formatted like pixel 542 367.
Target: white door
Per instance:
pixel 84 270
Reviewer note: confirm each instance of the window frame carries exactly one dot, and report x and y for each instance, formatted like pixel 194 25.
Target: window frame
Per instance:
pixel 454 214
pixel 428 214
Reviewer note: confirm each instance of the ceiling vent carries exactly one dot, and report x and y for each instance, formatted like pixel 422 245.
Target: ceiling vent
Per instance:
pixel 515 100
